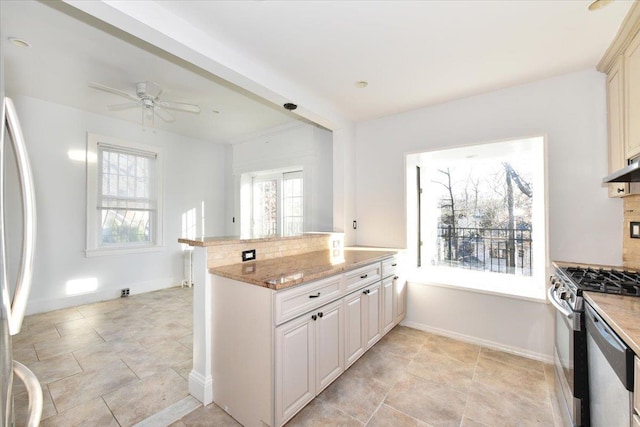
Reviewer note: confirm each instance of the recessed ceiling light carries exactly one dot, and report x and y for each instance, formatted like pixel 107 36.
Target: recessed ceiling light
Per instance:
pixel 361 84
pixel 599 4
pixel 19 42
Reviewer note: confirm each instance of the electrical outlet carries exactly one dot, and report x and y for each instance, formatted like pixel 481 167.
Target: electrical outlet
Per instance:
pixel 124 293
pixel 249 255
pixel 635 230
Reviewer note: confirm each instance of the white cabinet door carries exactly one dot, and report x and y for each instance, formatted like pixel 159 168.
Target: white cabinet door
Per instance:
pixel 399 298
pixel 632 97
pixel 354 334
pixel 329 344
pixel 295 366
pixel 373 303
pixel 387 305
pixel 615 113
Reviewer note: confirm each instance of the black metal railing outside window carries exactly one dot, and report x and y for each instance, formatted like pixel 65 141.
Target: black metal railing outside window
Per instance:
pixel 500 250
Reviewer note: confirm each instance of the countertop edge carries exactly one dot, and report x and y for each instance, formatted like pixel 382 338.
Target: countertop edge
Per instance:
pixel 337 269
pixel 620 330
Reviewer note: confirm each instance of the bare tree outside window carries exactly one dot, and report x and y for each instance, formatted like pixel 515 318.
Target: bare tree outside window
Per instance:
pixel 484 215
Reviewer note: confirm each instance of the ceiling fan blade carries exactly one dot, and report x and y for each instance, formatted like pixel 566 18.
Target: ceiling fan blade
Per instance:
pixel 113 91
pixel 125 106
pixel 163 114
pixel 189 108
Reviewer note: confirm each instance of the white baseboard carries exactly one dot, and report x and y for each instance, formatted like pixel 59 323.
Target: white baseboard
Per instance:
pixel 44 305
pixel 546 358
pixel 201 387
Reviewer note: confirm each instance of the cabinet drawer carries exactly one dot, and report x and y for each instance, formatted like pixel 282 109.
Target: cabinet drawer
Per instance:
pixel 636 385
pixel 636 420
pixel 389 267
pixel 294 302
pixel 362 276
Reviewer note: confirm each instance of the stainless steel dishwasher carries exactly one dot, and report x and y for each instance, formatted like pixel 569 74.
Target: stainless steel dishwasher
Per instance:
pixel 610 374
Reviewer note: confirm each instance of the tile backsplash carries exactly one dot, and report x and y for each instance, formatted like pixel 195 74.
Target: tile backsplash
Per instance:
pixel 226 254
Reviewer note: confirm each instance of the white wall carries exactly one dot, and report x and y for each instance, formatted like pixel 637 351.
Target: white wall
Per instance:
pixel 292 146
pixel 194 172
pixel 584 225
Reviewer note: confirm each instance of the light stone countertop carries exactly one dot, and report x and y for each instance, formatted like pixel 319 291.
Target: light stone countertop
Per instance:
pixel 284 272
pixel 621 313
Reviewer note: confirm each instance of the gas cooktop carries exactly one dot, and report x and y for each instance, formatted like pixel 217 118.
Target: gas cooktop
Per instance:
pixel 609 281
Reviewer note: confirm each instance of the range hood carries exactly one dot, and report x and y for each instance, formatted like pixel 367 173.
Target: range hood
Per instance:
pixel 630 173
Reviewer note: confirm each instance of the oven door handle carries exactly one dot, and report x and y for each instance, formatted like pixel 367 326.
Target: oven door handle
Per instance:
pixel 552 299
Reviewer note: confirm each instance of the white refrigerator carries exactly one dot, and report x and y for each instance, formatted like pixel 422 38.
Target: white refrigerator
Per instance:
pixel 15 280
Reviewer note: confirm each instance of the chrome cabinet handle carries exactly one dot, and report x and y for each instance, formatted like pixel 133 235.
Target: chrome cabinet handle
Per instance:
pixel 25 274
pixel 33 389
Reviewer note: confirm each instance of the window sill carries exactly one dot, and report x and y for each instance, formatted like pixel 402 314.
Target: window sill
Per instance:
pixel 89 253
pixel 508 286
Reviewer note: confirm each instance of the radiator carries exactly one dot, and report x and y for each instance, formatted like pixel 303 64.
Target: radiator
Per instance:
pixel 187 257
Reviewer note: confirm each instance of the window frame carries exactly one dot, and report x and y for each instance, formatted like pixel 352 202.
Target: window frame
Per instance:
pixel 528 287
pixel 279 176
pixel 93 228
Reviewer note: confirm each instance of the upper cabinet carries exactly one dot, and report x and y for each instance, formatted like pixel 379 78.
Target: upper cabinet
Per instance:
pixel 632 97
pixel 615 115
pixel 621 63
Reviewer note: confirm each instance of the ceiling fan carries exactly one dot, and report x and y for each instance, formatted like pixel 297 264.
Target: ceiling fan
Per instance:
pixel 147 96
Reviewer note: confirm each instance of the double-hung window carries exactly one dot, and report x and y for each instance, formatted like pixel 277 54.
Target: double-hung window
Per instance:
pixel 124 196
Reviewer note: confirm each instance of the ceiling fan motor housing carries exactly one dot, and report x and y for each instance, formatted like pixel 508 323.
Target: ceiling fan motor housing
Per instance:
pixel 148 90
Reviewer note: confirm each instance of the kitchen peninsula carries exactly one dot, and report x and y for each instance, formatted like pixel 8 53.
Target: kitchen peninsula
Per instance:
pixel 274 331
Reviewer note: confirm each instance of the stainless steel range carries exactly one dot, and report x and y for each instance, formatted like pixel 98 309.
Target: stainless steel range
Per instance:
pixel 565 293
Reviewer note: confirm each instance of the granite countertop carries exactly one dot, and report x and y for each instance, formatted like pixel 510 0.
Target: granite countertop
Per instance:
pixel 284 272
pixel 621 313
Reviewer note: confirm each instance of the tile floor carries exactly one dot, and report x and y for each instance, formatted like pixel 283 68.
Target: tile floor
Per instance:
pixel 126 362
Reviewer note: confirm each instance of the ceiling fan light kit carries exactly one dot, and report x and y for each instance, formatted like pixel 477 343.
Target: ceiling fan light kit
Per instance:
pixel 147 98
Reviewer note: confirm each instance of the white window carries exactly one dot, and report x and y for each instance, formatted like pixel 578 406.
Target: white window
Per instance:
pixel 124 196
pixel 479 217
pixel 277 204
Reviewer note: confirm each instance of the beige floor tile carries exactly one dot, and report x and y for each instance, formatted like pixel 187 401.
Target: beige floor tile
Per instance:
pixel 99 355
pixel 400 343
pixel 501 406
pixel 500 375
pixel 207 416
pixel 511 359
pixel 55 368
pixel 355 394
pixel 21 407
pixel 416 333
pixel 381 365
pixel 458 350
pixel 92 413
pixel 81 388
pixel 25 355
pixel 435 404
pixel 153 360
pixel 53 317
pixel 439 367
pixel 468 422
pixel 386 416
pixel 319 413
pixel 184 369
pixel 83 325
pixel 143 398
pixel 66 344
pixel 27 338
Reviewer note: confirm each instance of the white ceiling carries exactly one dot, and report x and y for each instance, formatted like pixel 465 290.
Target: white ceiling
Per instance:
pixel 69 50
pixel 412 53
